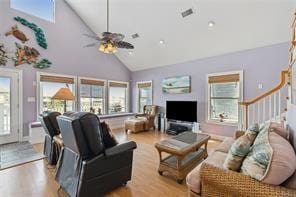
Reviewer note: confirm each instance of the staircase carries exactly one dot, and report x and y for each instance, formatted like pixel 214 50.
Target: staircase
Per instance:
pixel 269 106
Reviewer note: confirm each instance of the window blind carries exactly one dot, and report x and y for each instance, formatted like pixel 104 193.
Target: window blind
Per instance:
pixel 117 84
pixel 56 79
pixel 224 78
pixel 92 82
pixel 145 85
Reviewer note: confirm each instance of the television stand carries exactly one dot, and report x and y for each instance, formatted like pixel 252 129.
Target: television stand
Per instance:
pixel 175 128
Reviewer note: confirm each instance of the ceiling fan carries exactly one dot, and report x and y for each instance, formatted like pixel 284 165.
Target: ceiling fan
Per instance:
pixel 109 42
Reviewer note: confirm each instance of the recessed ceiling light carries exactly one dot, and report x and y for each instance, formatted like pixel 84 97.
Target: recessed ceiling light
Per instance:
pixel 130 52
pixel 161 42
pixel 211 23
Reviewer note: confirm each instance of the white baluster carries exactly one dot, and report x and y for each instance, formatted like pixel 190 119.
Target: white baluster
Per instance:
pixel 270 107
pixel 248 116
pixel 258 115
pixel 239 117
pixel 280 100
pixel 254 109
pixel 263 115
pixel 274 106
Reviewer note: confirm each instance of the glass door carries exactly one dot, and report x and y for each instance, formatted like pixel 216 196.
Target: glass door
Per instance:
pixel 9 123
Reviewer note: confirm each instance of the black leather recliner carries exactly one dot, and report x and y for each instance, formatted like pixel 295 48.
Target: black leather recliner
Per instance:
pixel 51 149
pixel 86 168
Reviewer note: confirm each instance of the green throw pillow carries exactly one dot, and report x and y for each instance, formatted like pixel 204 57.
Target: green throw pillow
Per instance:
pixel 258 159
pixel 240 148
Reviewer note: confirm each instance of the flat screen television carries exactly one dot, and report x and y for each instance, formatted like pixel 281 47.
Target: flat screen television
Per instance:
pixel 181 111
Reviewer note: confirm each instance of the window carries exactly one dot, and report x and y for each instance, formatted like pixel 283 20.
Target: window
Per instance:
pixel 118 98
pixel 224 94
pixel 49 85
pixel 5 105
pixel 144 94
pixel 41 8
pixel 92 93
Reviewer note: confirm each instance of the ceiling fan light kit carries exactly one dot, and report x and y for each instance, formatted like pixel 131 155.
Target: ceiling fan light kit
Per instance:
pixel 107 47
pixel 110 42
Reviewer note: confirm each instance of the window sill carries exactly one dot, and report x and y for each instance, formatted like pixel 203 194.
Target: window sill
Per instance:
pixel 222 123
pixel 116 115
pixel 102 117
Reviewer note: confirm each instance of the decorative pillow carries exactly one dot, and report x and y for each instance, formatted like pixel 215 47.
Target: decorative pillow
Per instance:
pixel 258 159
pixel 253 131
pixel 271 160
pixel 279 129
pixel 283 161
pixel 109 139
pixel 239 149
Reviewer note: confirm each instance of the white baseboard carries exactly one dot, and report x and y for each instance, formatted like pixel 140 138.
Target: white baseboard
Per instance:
pixel 25 138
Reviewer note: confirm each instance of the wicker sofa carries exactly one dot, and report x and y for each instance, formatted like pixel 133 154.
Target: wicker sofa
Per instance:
pixel 211 179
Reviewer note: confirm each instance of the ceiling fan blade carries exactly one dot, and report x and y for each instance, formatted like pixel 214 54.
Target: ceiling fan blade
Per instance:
pixel 92 44
pixel 117 36
pixel 124 45
pixel 113 36
pixel 92 36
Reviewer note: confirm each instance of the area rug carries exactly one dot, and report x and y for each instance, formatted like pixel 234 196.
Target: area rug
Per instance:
pixel 15 154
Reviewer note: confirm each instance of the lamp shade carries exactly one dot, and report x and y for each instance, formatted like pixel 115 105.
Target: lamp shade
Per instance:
pixel 64 94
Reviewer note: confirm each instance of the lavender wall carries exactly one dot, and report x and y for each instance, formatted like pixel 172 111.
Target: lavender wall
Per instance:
pixel 261 65
pixel 65 50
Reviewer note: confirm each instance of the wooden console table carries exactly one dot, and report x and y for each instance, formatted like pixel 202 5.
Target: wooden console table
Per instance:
pixel 185 153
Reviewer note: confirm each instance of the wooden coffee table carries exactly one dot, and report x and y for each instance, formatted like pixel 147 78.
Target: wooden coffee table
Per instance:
pixel 184 151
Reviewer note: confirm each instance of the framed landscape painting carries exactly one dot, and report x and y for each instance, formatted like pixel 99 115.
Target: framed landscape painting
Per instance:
pixel 176 85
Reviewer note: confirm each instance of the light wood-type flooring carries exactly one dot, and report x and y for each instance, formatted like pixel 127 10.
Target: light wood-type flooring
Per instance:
pixel 36 179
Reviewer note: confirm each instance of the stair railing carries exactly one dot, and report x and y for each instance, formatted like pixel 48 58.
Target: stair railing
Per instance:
pixel 268 106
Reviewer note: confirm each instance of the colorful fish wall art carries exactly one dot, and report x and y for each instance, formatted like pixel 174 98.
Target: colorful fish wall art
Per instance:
pixel 17 34
pixel 3 55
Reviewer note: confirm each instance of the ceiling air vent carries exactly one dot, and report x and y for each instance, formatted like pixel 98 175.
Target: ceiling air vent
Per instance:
pixel 187 13
pixel 134 36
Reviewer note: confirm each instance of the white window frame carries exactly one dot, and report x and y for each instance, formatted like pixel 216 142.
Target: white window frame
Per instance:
pixel 105 107
pixel 126 93
pixel 241 90
pixel 38 96
pixel 138 94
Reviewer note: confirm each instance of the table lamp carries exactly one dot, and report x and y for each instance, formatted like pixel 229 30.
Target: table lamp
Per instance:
pixel 65 95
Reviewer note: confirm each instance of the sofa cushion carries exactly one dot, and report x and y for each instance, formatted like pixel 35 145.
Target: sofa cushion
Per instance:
pixel 253 131
pixel 239 149
pixel 225 145
pixel 193 178
pixel 283 162
pixel 291 182
pixel 271 160
pixel 257 161
pixel 279 129
pixel 109 139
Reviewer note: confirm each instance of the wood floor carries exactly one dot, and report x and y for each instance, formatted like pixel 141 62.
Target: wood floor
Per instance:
pixel 37 178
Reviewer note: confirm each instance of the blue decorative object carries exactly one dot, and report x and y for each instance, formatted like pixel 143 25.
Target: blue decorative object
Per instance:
pixel 39 34
pixel 44 63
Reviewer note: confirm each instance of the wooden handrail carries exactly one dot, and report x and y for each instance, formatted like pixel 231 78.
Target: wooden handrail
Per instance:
pixel 279 86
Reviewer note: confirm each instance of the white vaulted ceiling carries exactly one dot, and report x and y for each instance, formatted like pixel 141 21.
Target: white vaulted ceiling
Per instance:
pixel 239 25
